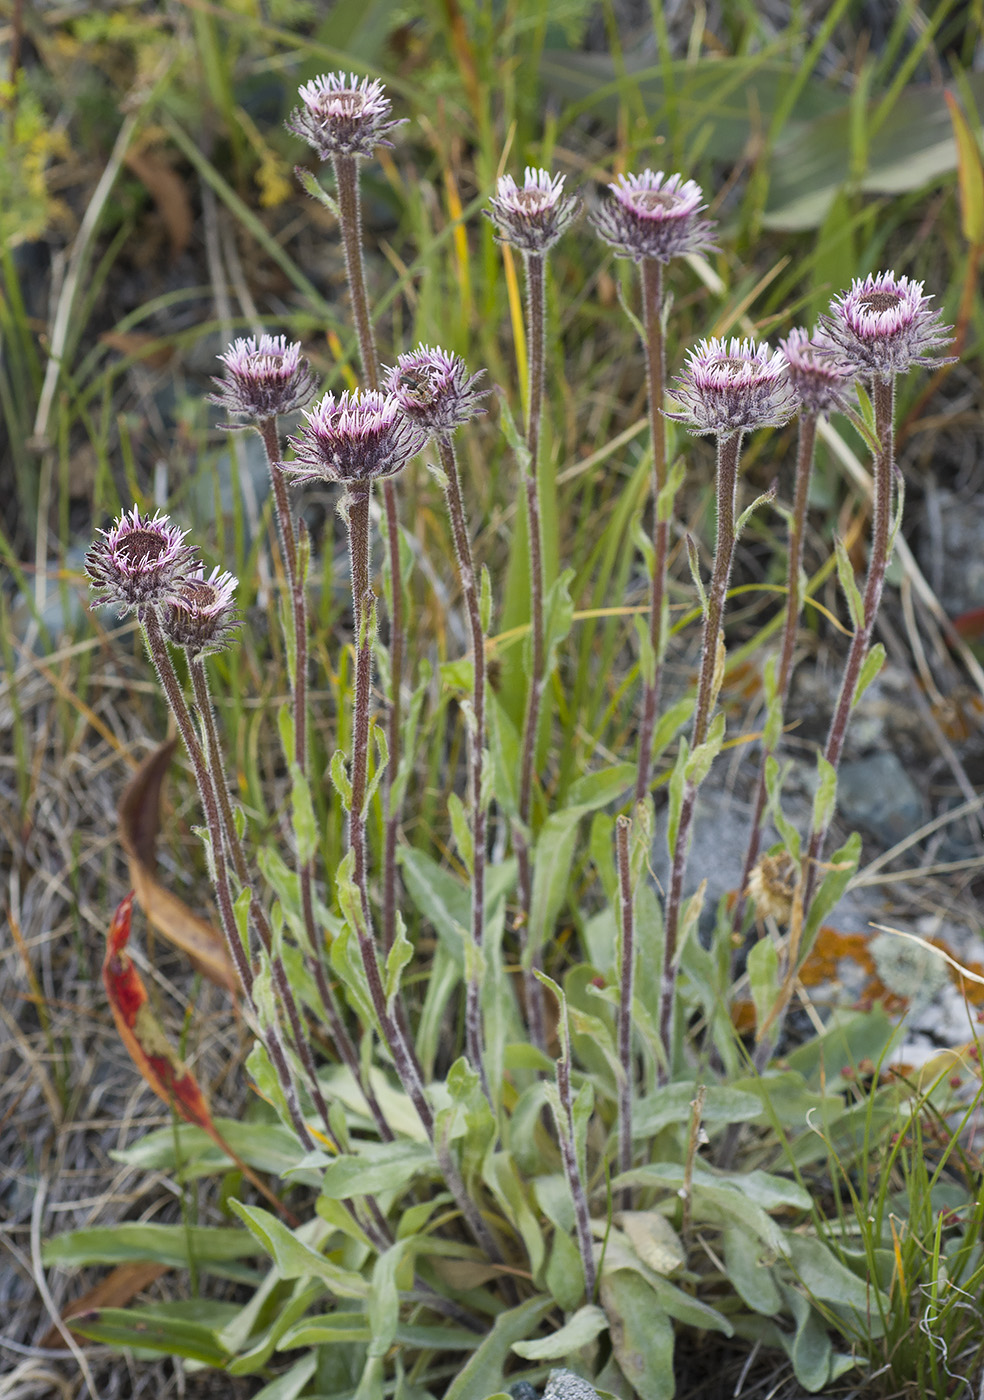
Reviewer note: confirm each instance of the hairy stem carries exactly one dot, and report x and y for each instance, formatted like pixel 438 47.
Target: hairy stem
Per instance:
pixel 568 1153
pixel 157 648
pixel 626 979
pixel 476 744
pixel 652 310
pixel 883 394
pixel 346 170
pixel 536 318
pixel 305 873
pixel 707 685
pixel 797 526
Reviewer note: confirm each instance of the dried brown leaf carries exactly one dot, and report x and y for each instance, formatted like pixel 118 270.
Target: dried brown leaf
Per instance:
pixel 139 821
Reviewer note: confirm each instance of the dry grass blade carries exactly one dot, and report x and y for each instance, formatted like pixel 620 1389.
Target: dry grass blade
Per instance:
pixel 118 1288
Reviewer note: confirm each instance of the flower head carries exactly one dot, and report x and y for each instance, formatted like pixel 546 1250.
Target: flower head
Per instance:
pixel 818 372
pixel 200 615
pixel 434 389
pixel 534 216
pixel 654 215
pixel 358 437
pixel 342 116
pixel 263 378
pixel 884 324
pixel 138 562
pixel 733 388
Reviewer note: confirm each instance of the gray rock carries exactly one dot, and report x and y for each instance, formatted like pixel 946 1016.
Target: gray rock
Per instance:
pixel 877 795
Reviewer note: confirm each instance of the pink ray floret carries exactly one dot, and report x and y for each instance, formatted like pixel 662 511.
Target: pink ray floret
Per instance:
pixel 342 115
pixel 263 378
pixel 654 215
pixel 434 389
pixel 885 324
pixel 733 387
pixel 139 562
pixel 358 437
pixel 532 216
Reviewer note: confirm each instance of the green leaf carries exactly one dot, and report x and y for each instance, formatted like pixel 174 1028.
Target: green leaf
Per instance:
pixel 763 977
pixel 766 498
pixel 508 1187
pixel 292 1382
pixel 552 860
pixel 483 1374
pixel 558 616
pixel 461 831
pixel 293 1258
pixel 848 583
pixel 175 1245
pixel 810 1349
pixel 186 1329
pixel 700 760
pixel 641 1333
pixel 381 1166
pixel 383 1307
pixel 749 1273
pixel 671 1104
pixel 825 797
pixel 189 1152
pixel 824 1276
pixel 340 779
pixel 304 824
pixel 313 187
pixel 598 789
pixel 586 1324
pixel 399 955
pixel 870 668
pixel 485 601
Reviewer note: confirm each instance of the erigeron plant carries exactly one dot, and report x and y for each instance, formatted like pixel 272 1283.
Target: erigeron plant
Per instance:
pixel 469 1161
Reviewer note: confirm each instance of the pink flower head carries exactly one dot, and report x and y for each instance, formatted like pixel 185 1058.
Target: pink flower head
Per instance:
pixel 534 216
pixel 342 116
pixel 884 324
pixel 200 615
pixel 434 389
pixel 733 387
pixel 139 562
pixel 654 215
pixel 358 437
pixel 262 379
pixel 818 372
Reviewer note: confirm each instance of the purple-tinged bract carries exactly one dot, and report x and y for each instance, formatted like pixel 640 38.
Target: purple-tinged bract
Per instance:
pixel 532 216
pixel 733 387
pixel 885 324
pixel 139 562
pixel 434 389
pixel 358 437
pixel 654 215
pixel 818 372
pixel 263 378
pixel 343 116
pixel 200 615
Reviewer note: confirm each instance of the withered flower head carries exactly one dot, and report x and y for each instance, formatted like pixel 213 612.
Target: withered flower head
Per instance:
pixel 200 615
pixel 139 561
pixel 263 378
pixel 358 437
pixel 534 215
pixel 733 387
pixel 343 116
pixel 434 389
pixel 885 324
pixel 654 215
